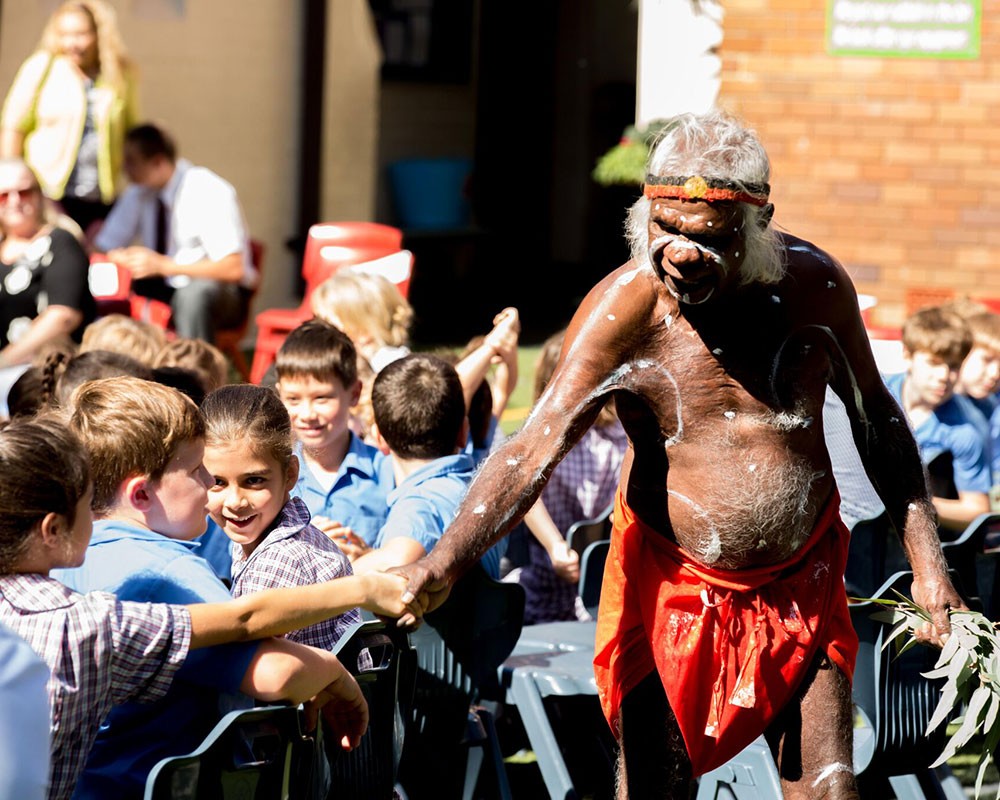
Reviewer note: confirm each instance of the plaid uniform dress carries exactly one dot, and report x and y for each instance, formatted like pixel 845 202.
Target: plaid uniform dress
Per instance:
pixel 582 485
pixel 295 553
pixel 101 652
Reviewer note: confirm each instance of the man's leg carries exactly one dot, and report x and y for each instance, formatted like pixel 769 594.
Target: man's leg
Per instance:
pixel 202 306
pixel 652 763
pixel 815 759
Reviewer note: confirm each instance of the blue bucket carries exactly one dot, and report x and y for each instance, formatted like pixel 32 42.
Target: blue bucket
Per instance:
pixel 429 193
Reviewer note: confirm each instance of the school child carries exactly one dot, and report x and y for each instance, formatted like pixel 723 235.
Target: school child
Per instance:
pixel 248 454
pixel 342 480
pixel 421 425
pixel 146 444
pixel 979 381
pixel 935 343
pixel 102 650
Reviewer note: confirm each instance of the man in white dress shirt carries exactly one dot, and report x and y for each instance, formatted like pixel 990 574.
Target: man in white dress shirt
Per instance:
pixel 193 250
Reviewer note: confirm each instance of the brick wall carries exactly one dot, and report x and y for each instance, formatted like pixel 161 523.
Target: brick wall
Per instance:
pixel 890 164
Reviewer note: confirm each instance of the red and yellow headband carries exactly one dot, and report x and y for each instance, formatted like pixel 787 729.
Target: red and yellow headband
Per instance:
pixel 695 187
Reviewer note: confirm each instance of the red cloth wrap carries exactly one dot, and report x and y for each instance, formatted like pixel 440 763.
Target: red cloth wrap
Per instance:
pixel 730 646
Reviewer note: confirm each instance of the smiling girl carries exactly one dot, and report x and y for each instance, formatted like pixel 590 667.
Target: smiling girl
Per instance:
pixel 248 452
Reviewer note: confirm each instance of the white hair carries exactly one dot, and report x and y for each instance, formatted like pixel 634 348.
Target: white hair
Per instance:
pixel 714 145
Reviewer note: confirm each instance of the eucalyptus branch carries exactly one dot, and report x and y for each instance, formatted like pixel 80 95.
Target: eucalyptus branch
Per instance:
pixel 969 663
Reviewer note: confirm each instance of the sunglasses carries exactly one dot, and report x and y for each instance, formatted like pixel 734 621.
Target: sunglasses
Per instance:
pixel 7 194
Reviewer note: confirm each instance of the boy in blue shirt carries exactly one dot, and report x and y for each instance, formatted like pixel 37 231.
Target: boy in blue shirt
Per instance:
pixel 952 448
pixel 342 480
pixel 145 443
pixel 979 380
pixel 420 423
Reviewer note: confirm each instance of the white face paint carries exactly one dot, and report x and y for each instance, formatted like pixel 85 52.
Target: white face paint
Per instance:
pixel 829 771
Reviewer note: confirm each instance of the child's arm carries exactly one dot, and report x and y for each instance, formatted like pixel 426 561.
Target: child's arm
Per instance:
pixel 394 553
pixel 565 561
pixel 473 368
pixel 957 514
pixel 285 671
pixel 278 611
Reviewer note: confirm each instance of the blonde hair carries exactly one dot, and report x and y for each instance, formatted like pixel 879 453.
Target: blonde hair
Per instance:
pixel 369 308
pixel 117 333
pixel 112 57
pixel 196 354
pixel 985 327
pixel 130 427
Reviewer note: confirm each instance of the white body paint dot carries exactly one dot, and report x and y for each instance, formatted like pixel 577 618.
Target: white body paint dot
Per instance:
pixel 775 298
pixel 717 351
pixel 709 224
pixel 831 285
pixel 912 507
pixel 547 431
pixel 752 468
pixel 730 415
pixel 611 317
pixel 480 509
pixel 511 462
pixel 668 320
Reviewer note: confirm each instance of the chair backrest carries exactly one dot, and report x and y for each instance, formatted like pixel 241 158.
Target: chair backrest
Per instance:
pixel 461 645
pixel 373 652
pixel 332 245
pixel 977 569
pixel 396 268
pixel 255 753
pixel 587 531
pixel 592 574
pixel 893 695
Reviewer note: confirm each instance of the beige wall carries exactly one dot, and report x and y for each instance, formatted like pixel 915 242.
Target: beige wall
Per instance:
pixel 224 77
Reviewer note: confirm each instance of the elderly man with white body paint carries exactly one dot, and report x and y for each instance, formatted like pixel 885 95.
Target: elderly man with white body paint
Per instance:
pixel 723 613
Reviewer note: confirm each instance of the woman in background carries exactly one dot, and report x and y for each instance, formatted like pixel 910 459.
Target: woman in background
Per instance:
pixel 69 107
pixel 44 295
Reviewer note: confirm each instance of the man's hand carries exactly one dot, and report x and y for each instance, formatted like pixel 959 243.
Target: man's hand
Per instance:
pixel 937 595
pixel 426 586
pixel 343 707
pixel 140 261
pixel 386 596
pixel 346 539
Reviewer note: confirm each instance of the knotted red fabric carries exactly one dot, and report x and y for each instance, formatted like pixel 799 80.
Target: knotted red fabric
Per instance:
pixel 730 646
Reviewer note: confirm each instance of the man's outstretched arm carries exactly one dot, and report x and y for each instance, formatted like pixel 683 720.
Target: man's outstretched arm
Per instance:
pixel 892 461
pixel 513 477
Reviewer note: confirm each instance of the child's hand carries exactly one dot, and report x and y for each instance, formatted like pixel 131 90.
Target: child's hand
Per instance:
pixel 565 562
pixel 343 707
pixel 503 338
pixel 346 539
pixel 384 592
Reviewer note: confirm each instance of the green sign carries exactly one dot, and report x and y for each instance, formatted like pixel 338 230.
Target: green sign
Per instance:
pixel 904 28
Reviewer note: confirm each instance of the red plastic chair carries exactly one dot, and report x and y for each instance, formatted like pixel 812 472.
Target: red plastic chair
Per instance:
pixel 329 246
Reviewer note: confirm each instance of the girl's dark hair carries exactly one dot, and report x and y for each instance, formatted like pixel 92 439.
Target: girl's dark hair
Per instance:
pixel 253 413
pixel 45 469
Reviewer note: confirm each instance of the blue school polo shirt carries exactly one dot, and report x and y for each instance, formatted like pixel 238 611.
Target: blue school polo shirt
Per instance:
pixel 137 564
pixel 357 497
pixel 949 429
pixel 424 504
